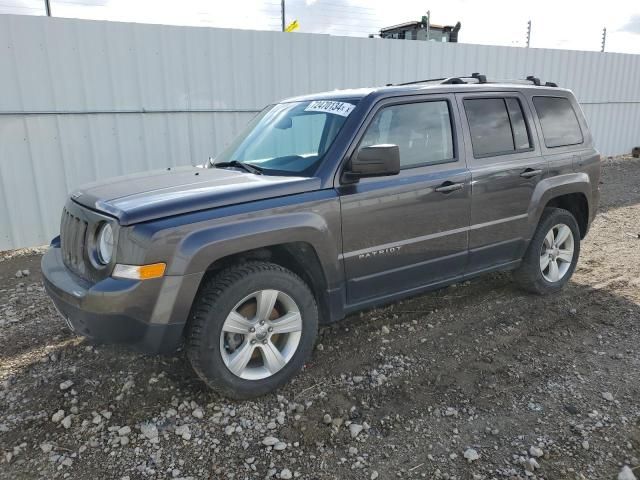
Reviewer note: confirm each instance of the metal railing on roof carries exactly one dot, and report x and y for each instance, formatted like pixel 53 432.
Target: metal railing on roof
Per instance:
pixel 476 78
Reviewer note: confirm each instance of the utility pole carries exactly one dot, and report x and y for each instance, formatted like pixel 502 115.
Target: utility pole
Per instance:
pixel 528 33
pixel 47 8
pixel 604 38
pixel 282 13
pixel 428 24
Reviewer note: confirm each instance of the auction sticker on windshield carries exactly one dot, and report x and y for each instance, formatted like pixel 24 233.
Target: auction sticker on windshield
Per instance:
pixel 328 106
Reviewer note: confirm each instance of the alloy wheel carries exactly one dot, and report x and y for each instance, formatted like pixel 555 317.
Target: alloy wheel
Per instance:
pixel 261 334
pixel 556 254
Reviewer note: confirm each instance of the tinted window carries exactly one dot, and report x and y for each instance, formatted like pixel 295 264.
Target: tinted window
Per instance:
pixel 489 126
pixel 559 122
pixel 421 130
pixel 518 125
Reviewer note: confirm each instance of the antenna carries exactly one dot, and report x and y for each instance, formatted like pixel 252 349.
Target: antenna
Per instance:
pixel 528 33
pixel 604 38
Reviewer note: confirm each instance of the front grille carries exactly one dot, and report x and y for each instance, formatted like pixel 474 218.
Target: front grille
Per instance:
pixel 73 240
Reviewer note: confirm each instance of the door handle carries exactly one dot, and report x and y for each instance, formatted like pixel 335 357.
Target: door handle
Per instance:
pixel 447 187
pixel 530 172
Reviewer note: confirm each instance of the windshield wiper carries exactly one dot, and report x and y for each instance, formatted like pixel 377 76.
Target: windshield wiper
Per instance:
pixel 247 167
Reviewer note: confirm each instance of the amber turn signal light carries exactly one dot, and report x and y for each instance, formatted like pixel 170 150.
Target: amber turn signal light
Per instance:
pixel 139 272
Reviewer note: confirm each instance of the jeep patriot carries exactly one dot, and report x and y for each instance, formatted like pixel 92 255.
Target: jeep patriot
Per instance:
pixel 323 206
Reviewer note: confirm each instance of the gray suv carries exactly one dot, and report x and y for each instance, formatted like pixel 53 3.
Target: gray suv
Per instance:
pixel 325 205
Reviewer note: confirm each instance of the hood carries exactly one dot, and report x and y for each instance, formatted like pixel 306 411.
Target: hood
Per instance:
pixel 161 193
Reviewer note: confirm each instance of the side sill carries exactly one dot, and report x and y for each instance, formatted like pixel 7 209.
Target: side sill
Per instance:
pixel 388 299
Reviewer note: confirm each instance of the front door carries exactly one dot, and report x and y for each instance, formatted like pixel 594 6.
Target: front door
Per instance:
pixel 403 233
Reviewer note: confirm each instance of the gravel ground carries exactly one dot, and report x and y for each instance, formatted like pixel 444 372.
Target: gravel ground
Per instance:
pixel 475 381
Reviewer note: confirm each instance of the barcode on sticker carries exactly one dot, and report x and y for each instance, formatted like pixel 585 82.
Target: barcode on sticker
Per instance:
pixel 329 106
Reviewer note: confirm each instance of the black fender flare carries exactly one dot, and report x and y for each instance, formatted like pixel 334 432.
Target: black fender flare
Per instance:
pixel 553 187
pixel 203 247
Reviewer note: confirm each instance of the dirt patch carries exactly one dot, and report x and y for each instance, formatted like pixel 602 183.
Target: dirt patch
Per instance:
pixel 537 387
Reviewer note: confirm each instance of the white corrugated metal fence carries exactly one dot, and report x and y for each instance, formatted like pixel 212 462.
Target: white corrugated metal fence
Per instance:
pixel 82 100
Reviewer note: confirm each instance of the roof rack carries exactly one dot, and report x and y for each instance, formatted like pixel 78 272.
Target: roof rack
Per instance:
pixel 479 78
pixel 445 80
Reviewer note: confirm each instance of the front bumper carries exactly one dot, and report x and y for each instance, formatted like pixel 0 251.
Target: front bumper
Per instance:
pixel 148 315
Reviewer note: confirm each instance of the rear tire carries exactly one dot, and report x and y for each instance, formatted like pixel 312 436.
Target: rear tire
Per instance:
pixel 552 254
pixel 251 330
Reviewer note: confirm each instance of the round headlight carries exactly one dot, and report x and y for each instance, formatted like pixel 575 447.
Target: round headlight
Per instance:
pixel 105 244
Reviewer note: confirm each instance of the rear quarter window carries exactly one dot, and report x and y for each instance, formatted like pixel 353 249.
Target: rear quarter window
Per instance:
pixel 559 122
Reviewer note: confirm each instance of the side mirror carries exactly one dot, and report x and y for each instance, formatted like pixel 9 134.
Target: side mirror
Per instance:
pixel 375 161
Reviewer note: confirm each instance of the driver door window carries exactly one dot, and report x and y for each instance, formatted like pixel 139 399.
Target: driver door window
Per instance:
pixel 422 131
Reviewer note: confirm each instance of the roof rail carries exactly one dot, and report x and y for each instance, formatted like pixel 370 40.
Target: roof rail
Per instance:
pixel 479 78
pixel 456 80
pixel 446 80
pixel 416 82
pixel 534 80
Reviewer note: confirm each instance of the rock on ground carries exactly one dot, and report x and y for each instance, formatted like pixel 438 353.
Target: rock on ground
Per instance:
pixel 626 474
pixel 471 455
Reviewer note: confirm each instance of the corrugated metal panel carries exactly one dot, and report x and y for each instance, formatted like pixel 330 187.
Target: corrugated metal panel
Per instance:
pixel 83 100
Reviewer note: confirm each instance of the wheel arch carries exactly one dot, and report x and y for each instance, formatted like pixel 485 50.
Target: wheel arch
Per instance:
pixel 300 257
pixel 577 204
pixel 570 192
pixel 305 242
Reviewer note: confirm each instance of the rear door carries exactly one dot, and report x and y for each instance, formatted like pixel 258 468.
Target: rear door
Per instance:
pixel 505 163
pixel 404 232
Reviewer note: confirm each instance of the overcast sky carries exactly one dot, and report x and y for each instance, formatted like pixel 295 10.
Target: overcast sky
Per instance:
pixel 569 24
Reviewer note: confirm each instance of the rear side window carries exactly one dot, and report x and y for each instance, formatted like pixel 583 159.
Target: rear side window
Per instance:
pixel 422 131
pixel 497 126
pixel 559 122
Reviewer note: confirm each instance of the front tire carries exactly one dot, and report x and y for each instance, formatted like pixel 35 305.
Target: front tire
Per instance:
pixel 252 328
pixel 552 255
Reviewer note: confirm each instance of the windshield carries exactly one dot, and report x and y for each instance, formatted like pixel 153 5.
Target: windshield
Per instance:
pixel 289 138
